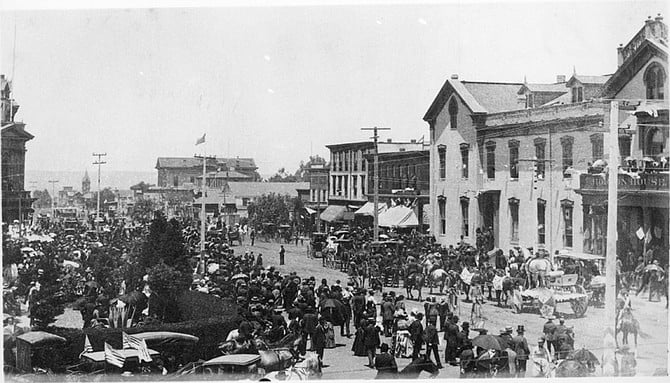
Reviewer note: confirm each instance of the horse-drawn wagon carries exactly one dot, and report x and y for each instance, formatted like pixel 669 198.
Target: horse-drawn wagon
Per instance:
pixel 562 288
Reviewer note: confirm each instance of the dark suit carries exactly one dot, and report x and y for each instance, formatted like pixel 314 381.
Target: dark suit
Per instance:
pixel 432 341
pixel 319 341
pixel 520 346
pixel 386 366
pixel 387 317
pixel 549 331
pixel 416 336
pixel 371 341
pixel 451 336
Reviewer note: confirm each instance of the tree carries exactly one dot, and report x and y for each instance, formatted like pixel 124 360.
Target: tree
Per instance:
pixel 272 208
pixel 43 199
pixel 301 173
pixel 46 303
pixel 282 176
pixel 106 194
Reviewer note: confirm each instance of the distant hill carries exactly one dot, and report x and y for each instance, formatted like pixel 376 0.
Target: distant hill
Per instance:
pixel 112 178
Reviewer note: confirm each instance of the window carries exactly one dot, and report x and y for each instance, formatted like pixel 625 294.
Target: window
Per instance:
pixel 442 204
pixel 514 220
pixel 175 180
pixel 465 216
pixel 567 207
pixel 566 143
pixel 654 143
pixel 654 81
pixel 530 100
pixel 491 160
pixel 577 94
pixel 624 146
pixel 597 146
pixel 514 159
pixel 465 151
pixel 346 159
pixel 245 201
pixel 453 113
pixel 442 153
pixel 354 186
pixel 356 156
pixel 345 189
pixel 192 180
pixel 541 229
pixel 540 147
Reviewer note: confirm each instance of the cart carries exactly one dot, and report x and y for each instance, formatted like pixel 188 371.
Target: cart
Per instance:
pixel 563 288
pixel 586 267
pixel 317 244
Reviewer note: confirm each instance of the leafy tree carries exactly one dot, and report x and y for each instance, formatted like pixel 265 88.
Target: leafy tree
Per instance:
pixel 282 176
pixel 106 194
pixel 43 199
pixel 272 208
pixel 47 303
pixel 301 174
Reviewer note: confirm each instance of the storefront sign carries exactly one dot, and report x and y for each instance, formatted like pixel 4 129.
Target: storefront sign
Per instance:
pixel 654 181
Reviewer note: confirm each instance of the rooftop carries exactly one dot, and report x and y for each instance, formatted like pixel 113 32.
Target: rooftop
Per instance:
pixel 494 96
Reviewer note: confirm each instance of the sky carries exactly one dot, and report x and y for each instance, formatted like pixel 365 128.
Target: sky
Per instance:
pixel 276 83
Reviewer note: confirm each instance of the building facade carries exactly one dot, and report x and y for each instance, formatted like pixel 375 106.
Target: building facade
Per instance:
pixel 16 201
pixel 187 171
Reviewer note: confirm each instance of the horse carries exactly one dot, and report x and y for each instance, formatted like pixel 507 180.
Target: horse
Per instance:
pixel 627 324
pixel 414 281
pixel 439 278
pixel 422 363
pixel 508 286
pixel 536 270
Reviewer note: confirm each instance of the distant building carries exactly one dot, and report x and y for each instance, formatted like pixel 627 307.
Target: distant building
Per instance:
pixel 187 171
pixel 85 184
pixel 16 201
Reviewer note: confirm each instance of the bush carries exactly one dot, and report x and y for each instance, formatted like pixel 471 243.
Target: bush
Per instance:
pixel 210 332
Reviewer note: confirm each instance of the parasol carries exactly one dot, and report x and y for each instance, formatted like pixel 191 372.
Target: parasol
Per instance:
pixel 330 303
pixel 487 342
pixel 240 276
pixel 600 164
pixel 584 355
pixel 647 159
pixel 652 267
pixel 493 252
pixel 28 249
pixel 70 263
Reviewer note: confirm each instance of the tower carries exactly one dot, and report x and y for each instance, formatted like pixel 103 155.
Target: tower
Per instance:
pixel 85 184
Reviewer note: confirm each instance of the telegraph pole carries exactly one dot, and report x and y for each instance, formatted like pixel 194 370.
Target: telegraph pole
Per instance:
pixel 375 129
pixel 53 198
pixel 99 162
pixel 609 340
pixel 203 214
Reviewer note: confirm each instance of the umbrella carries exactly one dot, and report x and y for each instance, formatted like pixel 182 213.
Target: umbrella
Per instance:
pixel 70 263
pixel 629 158
pixel 240 276
pixel 600 164
pixel 584 355
pixel 652 267
pixel 330 303
pixel 486 342
pixel 27 249
pixel 647 159
pixel 493 252
pixel 132 297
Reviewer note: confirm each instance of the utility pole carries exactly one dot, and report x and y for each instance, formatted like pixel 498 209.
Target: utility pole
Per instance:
pixel 375 129
pixel 53 198
pixel 609 340
pixel 203 214
pixel 99 162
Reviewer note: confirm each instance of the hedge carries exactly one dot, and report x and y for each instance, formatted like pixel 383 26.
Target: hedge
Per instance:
pixel 210 332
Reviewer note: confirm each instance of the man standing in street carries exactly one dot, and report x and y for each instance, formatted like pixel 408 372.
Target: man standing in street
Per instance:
pixel 385 364
pixel 387 316
pixel 451 336
pixel 416 334
pixel 520 346
pixel 560 337
pixel 549 331
pixel 252 235
pixel 371 341
pixel 358 306
pixel 432 342
pixel 281 255
pixel 319 339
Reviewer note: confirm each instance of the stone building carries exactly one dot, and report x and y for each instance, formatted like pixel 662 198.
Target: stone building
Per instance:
pixel 16 201
pixel 187 171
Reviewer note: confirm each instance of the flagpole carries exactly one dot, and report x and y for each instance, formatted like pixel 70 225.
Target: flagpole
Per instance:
pixel 203 214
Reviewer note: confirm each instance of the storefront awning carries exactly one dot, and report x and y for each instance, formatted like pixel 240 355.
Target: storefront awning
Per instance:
pixel 310 211
pixel 369 209
pixel 399 216
pixel 333 213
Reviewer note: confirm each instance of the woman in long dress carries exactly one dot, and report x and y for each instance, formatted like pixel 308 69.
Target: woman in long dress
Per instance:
pixel 330 334
pixel 359 344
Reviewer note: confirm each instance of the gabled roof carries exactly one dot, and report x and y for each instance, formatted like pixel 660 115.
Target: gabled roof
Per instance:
pixel 544 88
pixel 238 162
pixel 361 144
pixel 494 96
pixel 226 174
pixel 448 88
pixel 632 66
pixel 588 80
pixel 16 130
pixel 560 100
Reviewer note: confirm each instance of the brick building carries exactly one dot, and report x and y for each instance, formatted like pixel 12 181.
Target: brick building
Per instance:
pixel 16 201
pixel 186 171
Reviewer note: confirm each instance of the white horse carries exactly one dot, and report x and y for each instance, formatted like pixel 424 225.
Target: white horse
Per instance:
pixel 309 368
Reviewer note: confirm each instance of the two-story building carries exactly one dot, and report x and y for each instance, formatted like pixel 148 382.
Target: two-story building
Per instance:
pixel 187 171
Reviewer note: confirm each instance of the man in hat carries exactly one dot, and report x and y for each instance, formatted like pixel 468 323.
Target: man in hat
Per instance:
pixel 309 322
pixel 541 358
pixel 387 315
pixel 432 341
pixel 385 364
pixel 520 346
pixel 358 306
pixel 282 252
pixel 468 361
pixel 549 331
pixel 416 334
pixel 451 336
pixel 371 341
pixel 443 310
pixel 505 338
pixel 319 339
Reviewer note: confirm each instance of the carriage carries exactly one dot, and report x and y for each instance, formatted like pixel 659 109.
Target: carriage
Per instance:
pixel 585 266
pixel 562 288
pixel 317 244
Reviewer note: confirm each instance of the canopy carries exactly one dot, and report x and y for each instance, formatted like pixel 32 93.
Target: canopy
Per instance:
pixel 333 213
pixel 99 356
pixel 309 211
pixel 579 256
pixel 234 359
pixel 158 338
pixel 37 338
pixel 369 209
pixel 399 216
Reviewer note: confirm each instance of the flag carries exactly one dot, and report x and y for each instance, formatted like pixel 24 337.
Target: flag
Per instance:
pixel 200 140
pixel 87 346
pixel 138 344
pixel 640 233
pixel 114 357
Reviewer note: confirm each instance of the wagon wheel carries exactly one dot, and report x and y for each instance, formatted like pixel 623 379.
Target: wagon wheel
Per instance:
pixel 579 306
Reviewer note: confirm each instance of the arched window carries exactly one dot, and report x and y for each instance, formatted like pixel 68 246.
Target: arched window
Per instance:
pixel 453 113
pixel 654 81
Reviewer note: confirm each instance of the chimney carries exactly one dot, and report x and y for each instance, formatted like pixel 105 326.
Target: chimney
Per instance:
pixel 658 18
pixel 560 78
pixel 619 55
pixel 455 75
pixel 388 140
